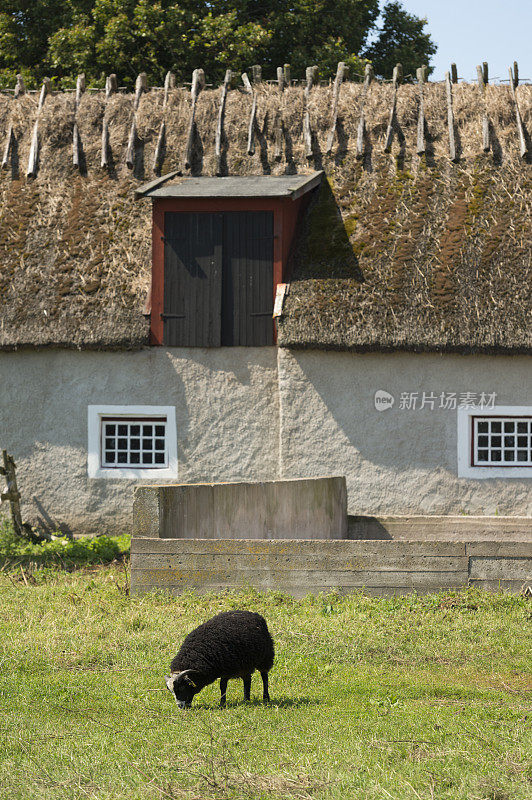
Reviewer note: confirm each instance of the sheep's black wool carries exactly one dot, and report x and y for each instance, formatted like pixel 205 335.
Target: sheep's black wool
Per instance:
pixel 230 645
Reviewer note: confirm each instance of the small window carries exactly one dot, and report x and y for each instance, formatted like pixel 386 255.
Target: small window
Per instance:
pixel 495 446
pixel 132 442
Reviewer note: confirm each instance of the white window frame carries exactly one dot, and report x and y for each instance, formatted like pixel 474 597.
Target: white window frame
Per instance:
pixel 464 443
pixel 94 467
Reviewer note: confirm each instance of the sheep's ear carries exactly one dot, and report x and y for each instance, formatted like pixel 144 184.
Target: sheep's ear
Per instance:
pixel 169 680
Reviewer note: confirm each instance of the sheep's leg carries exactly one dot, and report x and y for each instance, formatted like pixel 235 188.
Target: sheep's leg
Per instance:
pixel 247 687
pixel 265 695
pixel 223 691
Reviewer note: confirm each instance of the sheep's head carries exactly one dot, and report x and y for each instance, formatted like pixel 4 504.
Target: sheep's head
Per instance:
pixel 183 685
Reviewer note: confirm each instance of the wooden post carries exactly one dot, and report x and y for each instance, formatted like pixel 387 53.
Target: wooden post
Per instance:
pixel 131 145
pixel 12 494
pixel 454 73
pixel 19 88
pixel 523 149
pixel 397 79
pixel 485 118
pixel 250 148
pixel 33 160
pixel 76 139
pixel 311 74
pixel 105 144
pixel 280 78
pixel 8 145
pixel 111 85
pixel 80 88
pixel 450 117
pixel 46 88
pixel 340 75
pixel 169 83
pixel 516 75
pixel 141 86
pixel 158 157
pixel 485 72
pixel 256 72
pixel 361 129
pixel 287 75
pixel 220 124
pixel 421 148
pixel 198 82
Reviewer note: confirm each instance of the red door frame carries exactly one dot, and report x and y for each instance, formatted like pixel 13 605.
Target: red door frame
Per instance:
pixel 285 216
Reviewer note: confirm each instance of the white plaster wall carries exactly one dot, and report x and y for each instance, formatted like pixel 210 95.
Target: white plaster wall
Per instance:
pixel 395 461
pixel 227 411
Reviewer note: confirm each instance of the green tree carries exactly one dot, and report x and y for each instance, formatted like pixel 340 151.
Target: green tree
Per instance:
pixel 61 38
pixel 401 39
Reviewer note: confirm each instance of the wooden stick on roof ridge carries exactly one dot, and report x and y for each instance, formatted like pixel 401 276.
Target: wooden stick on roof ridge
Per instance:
pixel 160 147
pixel 481 74
pixel 421 146
pixel 198 82
pixel 341 72
pixel 396 80
pixel 361 130
pixel 453 151
pixel 10 136
pixel 311 74
pixel 250 147
pixel 523 147
pixel 33 159
pixel 220 123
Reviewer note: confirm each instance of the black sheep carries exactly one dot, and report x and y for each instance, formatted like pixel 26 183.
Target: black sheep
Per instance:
pixel 230 645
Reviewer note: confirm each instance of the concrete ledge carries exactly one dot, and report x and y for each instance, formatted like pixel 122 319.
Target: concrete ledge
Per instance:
pixel 300 567
pixel 310 508
pixel 450 528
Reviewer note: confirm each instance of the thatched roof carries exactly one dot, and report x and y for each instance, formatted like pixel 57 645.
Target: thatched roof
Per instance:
pixel 399 250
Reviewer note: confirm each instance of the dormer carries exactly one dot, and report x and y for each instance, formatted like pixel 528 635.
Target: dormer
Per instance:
pixel 220 249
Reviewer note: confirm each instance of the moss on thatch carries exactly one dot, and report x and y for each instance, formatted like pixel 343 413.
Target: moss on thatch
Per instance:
pixel 397 250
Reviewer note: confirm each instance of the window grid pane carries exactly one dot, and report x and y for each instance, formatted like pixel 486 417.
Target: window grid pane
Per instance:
pixel 502 441
pixel 134 443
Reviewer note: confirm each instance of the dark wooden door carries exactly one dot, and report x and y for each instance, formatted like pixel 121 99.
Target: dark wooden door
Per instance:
pixel 192 279
pixel 247 293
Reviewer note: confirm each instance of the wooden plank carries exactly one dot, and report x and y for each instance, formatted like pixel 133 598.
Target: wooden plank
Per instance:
pixel 340 76
pixel 220 122
pixel 198 82
pixel 350 548
pixel 450 118
pixel 295 563
pixel 503 549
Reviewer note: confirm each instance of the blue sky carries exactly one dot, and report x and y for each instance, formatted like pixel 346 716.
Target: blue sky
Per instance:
pixel 469 32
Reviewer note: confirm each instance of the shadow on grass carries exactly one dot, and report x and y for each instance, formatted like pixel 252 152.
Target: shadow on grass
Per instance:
pixel 282 702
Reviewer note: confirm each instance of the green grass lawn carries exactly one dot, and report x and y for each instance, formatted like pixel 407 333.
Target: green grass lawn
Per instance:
pixel 403 698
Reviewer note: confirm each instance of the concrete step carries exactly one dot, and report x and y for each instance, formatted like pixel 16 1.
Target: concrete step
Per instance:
pixel 442 528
